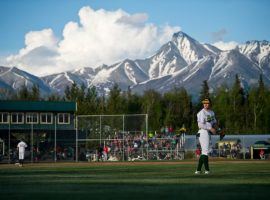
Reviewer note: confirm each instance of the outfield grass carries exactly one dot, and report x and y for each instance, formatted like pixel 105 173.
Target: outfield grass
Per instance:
pixel 143 180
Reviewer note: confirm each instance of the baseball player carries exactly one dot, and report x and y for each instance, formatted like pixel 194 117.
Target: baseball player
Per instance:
pixel 21 148
pixel 206 121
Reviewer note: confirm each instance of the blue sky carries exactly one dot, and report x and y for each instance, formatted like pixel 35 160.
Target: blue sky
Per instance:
pixel 205 20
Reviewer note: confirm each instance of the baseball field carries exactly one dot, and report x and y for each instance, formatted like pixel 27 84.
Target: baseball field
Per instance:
pixel 136 180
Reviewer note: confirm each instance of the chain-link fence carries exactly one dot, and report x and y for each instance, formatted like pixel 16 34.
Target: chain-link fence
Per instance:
pixel 118 138
pixel 124 138
pixel 130 147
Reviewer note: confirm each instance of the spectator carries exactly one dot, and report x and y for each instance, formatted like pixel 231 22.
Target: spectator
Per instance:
pixel 105 152
pixel 198 151
pixel 262 154
pixel 99 150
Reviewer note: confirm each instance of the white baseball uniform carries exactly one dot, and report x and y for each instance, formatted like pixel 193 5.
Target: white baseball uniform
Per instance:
pixel 206 119
pixel 22 145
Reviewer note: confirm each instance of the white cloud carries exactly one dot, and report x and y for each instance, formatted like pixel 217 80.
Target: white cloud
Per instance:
pixel 39 55
pixel 100 37
pixel 225 45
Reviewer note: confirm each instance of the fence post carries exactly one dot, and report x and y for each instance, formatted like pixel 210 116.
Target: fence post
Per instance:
pixel 32 138
pixel 123 123
pixel 146 129
pixel 55 158
pixel 76 138
pixel 244 152
pixel 100 130
pixel 9 151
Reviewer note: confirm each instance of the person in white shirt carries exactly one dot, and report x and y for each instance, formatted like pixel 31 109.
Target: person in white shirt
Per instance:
pixel 206 122
pixel 21 148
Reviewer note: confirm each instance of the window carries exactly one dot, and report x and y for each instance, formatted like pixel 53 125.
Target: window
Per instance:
pixel 4 118
pixel 31 118
pixel 17 118
pixel 63 118
pixel 46 118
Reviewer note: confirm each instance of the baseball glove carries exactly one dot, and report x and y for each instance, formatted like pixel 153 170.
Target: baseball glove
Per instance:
pixel 220 131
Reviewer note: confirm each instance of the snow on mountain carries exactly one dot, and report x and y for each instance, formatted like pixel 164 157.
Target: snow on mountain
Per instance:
pixel 230 63
pixel 259 53
pixel 207 62
pixel 255 50
pixel 181 62
pixel 166 61
pixel 190 49
pixel 190 77
pixel 181 51
pixel 217 70
pixel 212 49
pixel 3 69
pixel 4 87
pixel 15 78
pixel 60 81
pixel 125 74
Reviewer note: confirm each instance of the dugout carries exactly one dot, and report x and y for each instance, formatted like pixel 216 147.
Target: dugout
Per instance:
pixel 227 148
pixel 258 147
pixel 47 127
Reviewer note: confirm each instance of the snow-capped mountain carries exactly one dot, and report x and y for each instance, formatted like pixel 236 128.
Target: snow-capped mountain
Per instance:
pixel 14 78
pixel 125 74
pixel 58 82
pixel 259 53
pixel 190 77
pixel 166 61
pixel 190 49
pixel 217 70
pixel 181 62
pixel 212 49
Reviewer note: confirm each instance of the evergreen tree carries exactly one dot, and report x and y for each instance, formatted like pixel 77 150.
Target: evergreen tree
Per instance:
pixel 54 97
pixel 204 94
pixel 134 105
pixel 177 108
pixel 237 106
pixel 267 111
pixel 221 106
pixel 102 104
pixel 91 101
pixel 35 93
pixel 67 93
pixel 7 94
pixel 187 107
pixel 152 105
pixel 23 93
pixel 257 106
pixel 81 93
pixel 116 103
pixel 74 92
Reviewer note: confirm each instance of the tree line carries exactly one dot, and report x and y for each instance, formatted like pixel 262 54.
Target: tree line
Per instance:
pixel 238 110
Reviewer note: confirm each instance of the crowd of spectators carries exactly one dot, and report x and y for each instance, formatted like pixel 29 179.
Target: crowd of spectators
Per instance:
pixel 161 145
pixel 229 149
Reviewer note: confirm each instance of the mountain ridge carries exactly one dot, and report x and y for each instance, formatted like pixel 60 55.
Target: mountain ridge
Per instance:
pixel 181 62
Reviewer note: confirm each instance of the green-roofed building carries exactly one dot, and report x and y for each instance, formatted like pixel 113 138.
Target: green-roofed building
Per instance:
pixel 43 125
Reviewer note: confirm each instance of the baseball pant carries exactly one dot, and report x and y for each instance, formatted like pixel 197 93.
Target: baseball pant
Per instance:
pixel 204 141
